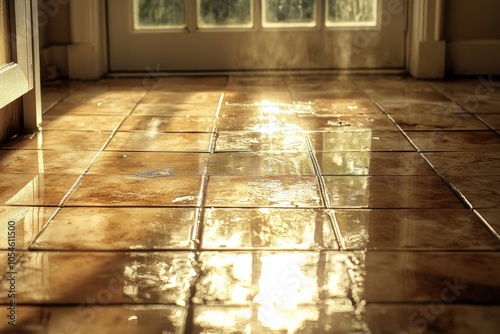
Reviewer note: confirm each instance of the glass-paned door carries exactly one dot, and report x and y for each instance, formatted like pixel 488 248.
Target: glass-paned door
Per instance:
pixel 16 68
pixel 198 35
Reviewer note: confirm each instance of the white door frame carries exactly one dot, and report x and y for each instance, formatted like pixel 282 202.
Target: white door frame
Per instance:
pixel 21 77
pixel 426 48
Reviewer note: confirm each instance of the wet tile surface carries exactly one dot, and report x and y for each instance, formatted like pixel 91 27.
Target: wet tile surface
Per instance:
pixel 413 229
pixel 158 142
pixel 482 141
pixel 389 192
pixel 360 141
pixel 372 163
pixel 268 229
pixel 137 190
pixel 255 204
pixel 149 164
pixel 267 191
pixel 120 229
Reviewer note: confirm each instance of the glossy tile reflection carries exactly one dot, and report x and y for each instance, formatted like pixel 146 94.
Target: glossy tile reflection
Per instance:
pixel 298 203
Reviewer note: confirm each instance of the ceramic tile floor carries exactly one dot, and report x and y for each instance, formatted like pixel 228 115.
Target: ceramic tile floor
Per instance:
pixel 296 204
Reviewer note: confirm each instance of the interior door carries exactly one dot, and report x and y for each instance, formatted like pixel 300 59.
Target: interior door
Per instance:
pixel 16 57
pixel 194 35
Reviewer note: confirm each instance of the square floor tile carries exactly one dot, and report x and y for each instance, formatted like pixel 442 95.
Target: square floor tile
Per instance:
pixel 492 218
pixel 45 161
pixel 81 122
pixel 360 141
pixel 104 190
pixel 461 277
pixel 298 278
pixel 150 164
pixel 480 106
pixel 389 192
pixel 478 191
pixel 60 140
pixel 69 108
pixel 107 278
pixel 26 222
pixel 245 163
pixel 170 109
pixel 158 142
pixel 439 121
pixel 120 229
pixel 274 123
pixel 401 95
pixel 413 229
pixel 482 141
pixel 347 123
pixel 168 124
pixel 346 107
pixel 268 229
pixel 261 141
pixel 201 97
pixel 422 108
pixel 465 163
pixel 372 163
pixel 34 189
pixel 101 318
pixel 268 191
pixel 246 96
pixel 493 120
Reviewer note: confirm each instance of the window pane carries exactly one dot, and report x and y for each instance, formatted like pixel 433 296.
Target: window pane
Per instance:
pixel 355 13
pixel 225 13
pixel 159 14
pixel 289 13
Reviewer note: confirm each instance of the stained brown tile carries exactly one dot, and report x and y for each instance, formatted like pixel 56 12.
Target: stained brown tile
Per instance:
pixel 85 123
pixel 34 189
pixel 436 121
pixel 257 96
pixel 422 108
pixel 480 105
pixel 372 163
pixel 413 229
pixel 389 192
pixel 403 95
pixel 458 277
pixel 268 191
pixel 478 191
pixel 45 161
pixel 268 229
pixel 360 141
pixel 149 164
pixel 160 142
pixel 102 318
pixel 103 278
pixel 137 190
pixel 465 163
pixel 315 83
pixel 168 124
pixel 60 140
pixel 260 123
pixel 481 141
pixel 158 109
pixel 261 142
pixel 493 120
pixel 120 229
pixel 243 163
pixel 25 221
pixel 321 97
pixel 346 107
